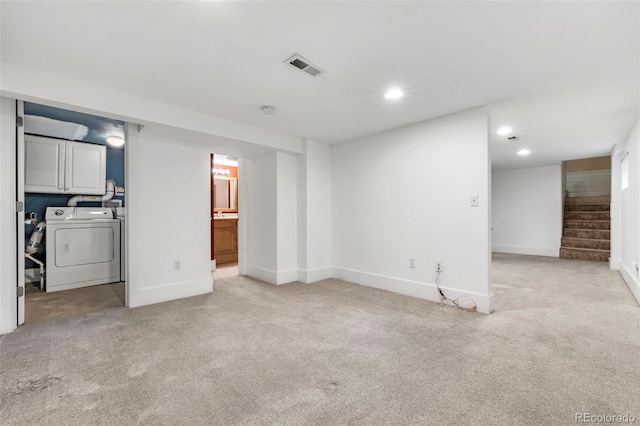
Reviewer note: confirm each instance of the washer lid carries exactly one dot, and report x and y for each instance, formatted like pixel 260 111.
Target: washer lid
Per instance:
pixel 77 213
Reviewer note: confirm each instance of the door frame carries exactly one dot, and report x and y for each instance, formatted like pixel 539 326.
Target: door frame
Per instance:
pixel 212 198
pixel 20 165
pixel 242 217
pixel 8 217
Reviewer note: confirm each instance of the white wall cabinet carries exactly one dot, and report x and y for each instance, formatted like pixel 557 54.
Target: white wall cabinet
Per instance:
pixel 57 166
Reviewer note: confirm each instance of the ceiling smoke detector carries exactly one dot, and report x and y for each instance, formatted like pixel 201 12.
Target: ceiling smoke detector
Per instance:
pixel 268 110
pixel 304 65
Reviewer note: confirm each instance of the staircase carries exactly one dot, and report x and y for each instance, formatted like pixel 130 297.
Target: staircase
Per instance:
pixel 587 224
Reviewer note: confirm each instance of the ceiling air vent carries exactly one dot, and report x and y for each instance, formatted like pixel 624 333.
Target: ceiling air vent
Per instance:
pixel 304 65
pixel 513 138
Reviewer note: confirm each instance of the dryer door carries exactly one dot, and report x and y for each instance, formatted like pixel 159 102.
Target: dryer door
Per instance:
pixel 84 245
pixel 82 254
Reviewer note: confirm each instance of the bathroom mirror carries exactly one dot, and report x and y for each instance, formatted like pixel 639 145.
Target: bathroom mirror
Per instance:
pixel 225 192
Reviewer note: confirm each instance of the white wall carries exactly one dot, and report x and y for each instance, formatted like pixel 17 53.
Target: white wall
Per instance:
pixel 625 213
pixel 314 212
pixel 616 232
pixel 243 214
pixel 271 214
pixel 527 211
pixel 286 212
pixel 168 218
pixel 8 274
pixel 261 215
pixel 406 193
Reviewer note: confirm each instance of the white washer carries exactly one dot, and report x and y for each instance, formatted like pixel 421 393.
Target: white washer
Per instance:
pixel 83 247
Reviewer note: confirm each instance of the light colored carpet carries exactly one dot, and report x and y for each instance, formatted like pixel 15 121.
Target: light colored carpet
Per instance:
pixel 565 338
pixel 43 306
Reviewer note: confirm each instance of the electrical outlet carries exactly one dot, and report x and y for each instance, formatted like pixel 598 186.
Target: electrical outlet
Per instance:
pixel 439 266
pixel 412 262
pixel 177 265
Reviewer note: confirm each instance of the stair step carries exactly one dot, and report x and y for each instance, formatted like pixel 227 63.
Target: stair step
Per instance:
pixel 602 199
pixel 584 254
pixel 586 243
pixel 588 215
pixel 587 207
pixel 593 234
pixel 587 224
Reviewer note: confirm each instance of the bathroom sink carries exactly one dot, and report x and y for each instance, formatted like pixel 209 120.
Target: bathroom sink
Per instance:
pixel 226 216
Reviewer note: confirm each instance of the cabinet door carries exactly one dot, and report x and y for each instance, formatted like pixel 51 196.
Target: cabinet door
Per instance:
pixel 225 237
pixel 223 242
pixel 44 164
pixel 86 168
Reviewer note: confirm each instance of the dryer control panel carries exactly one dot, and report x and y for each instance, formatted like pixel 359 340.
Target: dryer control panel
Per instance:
pixel 78 213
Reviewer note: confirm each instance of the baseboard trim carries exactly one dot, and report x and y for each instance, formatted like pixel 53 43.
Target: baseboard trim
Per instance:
pixel 262 274
pixel 615 264
pixel 272 277
pixel 88 283
pixel 533 251
pixel 173 291
pixel 309 276
pixel 285 277
pixel 421 290
pixel 631 281
pixel 213 265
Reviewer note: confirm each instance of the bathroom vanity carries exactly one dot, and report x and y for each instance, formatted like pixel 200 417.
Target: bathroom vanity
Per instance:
pixel 226 239
pixel 224 197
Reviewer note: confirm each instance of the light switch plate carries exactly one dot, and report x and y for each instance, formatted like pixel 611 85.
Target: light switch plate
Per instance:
pixel 474 200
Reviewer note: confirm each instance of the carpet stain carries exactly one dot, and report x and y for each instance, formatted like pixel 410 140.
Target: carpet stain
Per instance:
pixel 35 385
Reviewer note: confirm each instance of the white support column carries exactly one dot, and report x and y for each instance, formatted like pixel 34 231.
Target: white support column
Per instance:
pixel 314 212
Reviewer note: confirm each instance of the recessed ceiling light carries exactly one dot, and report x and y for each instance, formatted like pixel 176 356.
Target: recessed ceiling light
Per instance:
pixel 393 94
pixel 116 141
pixel 524 152
pixel 504 130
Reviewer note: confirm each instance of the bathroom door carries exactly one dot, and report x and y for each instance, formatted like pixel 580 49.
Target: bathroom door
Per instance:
pixel 20 200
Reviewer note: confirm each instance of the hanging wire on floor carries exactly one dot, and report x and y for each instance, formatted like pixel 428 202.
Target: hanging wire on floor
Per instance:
pixel 35 385
pixel 444 300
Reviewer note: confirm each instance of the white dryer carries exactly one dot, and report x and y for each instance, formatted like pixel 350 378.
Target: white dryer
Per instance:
pixel 83 247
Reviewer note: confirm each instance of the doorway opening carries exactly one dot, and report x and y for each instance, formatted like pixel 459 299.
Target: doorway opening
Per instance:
pixel 71 239
pixel 224 216
pixel 586 231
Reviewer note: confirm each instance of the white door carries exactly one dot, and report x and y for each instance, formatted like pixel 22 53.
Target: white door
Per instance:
pixel 86 168
pixel 20 171
pixel 44 164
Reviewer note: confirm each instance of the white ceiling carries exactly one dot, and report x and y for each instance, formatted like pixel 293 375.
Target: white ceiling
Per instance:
pixel 564 75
